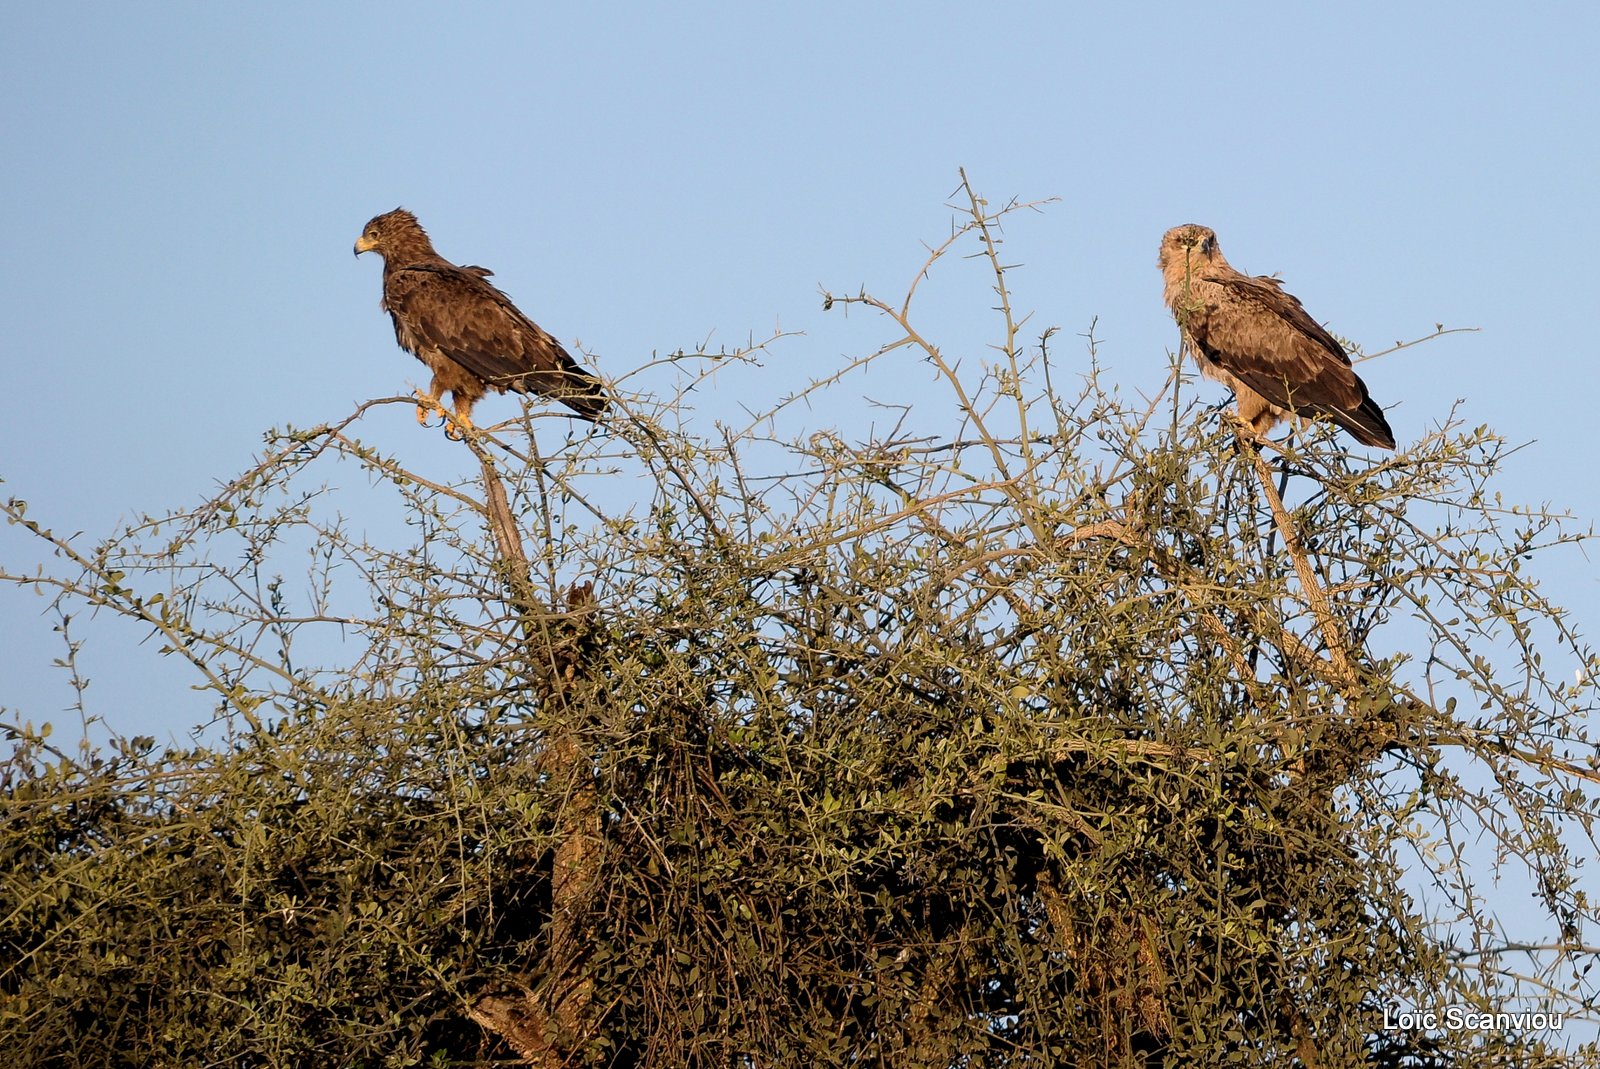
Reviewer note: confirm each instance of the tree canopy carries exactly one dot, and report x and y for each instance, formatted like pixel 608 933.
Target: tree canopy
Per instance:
pixel 1047 727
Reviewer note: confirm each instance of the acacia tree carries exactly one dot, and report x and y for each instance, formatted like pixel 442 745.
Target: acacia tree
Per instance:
pixel 1080 734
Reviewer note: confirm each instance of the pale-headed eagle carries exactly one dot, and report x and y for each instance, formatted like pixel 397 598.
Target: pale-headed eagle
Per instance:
pixel 467 331
pixel 1247 333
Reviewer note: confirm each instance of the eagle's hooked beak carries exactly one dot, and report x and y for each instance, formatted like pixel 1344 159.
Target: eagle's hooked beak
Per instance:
pixel 364 245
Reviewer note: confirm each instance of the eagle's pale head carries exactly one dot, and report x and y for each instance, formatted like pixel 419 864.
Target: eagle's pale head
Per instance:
pixel 1189 247
pixel 394 232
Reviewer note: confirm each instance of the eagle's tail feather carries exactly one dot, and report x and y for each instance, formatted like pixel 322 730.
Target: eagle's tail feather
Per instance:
pixel 589 405
pixel 583 393
pixel 1366 424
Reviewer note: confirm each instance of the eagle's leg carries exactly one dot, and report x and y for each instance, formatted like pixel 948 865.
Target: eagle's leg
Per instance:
pixel 1260 414
pixel 428 406
pixel 459 425
pixel 1245 437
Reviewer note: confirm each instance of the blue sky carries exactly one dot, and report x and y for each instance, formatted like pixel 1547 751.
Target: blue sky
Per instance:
pixel 183 184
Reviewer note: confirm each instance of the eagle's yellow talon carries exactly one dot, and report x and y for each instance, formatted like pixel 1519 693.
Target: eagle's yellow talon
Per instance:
pixel 428 407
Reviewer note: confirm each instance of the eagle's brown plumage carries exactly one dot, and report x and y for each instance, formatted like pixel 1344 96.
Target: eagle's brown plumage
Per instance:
pixel 1248 333
pixel 468 332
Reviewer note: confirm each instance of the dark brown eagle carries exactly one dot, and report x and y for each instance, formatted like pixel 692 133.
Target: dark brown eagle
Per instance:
pixel 467 331
pixel 1246 332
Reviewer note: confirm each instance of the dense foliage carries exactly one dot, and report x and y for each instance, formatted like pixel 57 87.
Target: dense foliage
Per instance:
pixel 1060 746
